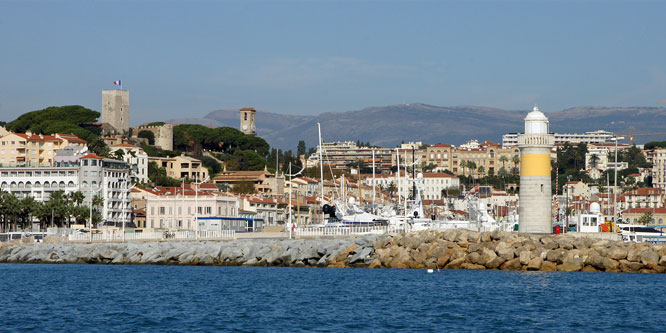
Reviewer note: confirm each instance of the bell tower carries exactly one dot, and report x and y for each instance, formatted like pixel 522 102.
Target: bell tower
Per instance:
pixel 247 124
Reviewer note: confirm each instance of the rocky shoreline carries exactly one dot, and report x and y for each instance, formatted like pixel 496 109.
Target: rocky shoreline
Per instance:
pixel 451 249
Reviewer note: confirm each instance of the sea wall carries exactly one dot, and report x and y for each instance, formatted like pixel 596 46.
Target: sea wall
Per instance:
pixel 451 249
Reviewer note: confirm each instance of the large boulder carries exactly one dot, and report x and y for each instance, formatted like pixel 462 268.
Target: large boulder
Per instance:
pixel 362 255
pixel 617 253
pixel 525 257
pixel 650 259
pixel 634 255
pixel 495 262
pixel 506 253
pixel 548 266
pixel 565 243
pixel 468 265
pixel 534 264
pixel 630 266
pixel 571 265
pixel 455 264
pixel 511 265
pixel 555 255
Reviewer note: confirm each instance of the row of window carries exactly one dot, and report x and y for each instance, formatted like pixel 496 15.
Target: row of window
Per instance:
pixel 22 143
pixel 60 173
pixel 202 210
pixel 28 185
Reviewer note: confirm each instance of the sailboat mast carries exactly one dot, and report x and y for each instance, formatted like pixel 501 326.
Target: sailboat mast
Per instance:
pixel 406 183
pixel 413 174
pixel 321 172
pixel 397 157
pixel 373 181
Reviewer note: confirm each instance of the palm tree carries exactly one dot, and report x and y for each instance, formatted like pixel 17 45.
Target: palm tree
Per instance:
pixel 391 188
pixel 472 167
pixel 503 159
pixel 12 208
pixel 58 205
pixel 594 161
pixel 515 159
pixel 3 211
pixel 97 202
pixel 118 154
pixel 28 207
pixel 481 170
pixel 43 213
pixel 77 197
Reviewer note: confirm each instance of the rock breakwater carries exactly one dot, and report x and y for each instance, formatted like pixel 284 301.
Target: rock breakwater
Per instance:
pixel 451 249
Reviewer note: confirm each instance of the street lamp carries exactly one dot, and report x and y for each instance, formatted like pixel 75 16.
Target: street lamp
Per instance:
pixel 196 205
pixel 565 225
pixel 616 139
pixel 91 211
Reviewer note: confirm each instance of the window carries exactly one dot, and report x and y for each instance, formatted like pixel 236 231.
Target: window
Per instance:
pixel 162 211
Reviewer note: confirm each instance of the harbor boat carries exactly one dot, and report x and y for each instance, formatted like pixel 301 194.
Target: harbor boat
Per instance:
pixel 640 233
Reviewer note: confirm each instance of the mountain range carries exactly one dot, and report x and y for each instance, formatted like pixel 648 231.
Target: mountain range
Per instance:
pixel 387 126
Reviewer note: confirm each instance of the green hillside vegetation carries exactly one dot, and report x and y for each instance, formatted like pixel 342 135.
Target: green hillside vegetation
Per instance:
pixel 62 119
pixel 655 144
pixel 57 119
pixel 238 150
pixel 224 139
pixel 153 151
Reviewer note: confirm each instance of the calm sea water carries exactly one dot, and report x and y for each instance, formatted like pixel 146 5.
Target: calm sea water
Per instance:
pixel 176 298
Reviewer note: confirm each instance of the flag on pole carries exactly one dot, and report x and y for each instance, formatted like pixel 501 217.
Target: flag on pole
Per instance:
pixel 117 83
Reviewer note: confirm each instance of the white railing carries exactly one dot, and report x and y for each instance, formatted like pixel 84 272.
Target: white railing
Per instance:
pixel 345 231
pixel 154 236
pixel 536 139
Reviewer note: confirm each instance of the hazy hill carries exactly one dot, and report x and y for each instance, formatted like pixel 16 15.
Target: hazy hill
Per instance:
pixel 387 126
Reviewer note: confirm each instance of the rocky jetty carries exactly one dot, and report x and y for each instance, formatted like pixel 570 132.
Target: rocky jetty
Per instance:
pixel 451 249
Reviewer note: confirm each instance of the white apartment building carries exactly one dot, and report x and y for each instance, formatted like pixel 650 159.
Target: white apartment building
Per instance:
pixel 137 160
pixel 659 168
pixel 39 182
pixel 90 174
pixel 600 136
pixel 432 185
pixel 180 211
pixel 338 155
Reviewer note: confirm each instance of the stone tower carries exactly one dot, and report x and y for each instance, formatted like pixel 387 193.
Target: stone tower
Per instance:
pixel 115 109
pixel 535 192
pixel 247 124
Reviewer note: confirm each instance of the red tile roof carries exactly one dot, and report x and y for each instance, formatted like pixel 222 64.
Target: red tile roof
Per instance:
pixel 91 156
pixel 645 191
pixel 659 210
pixel 438 175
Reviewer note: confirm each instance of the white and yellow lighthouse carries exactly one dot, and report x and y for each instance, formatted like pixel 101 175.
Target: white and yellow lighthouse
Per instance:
pixel 535 193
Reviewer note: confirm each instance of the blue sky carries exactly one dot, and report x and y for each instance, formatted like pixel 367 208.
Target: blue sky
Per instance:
pixel 184 59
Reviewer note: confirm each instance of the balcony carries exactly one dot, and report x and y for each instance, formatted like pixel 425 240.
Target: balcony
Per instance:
pixel 536 140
